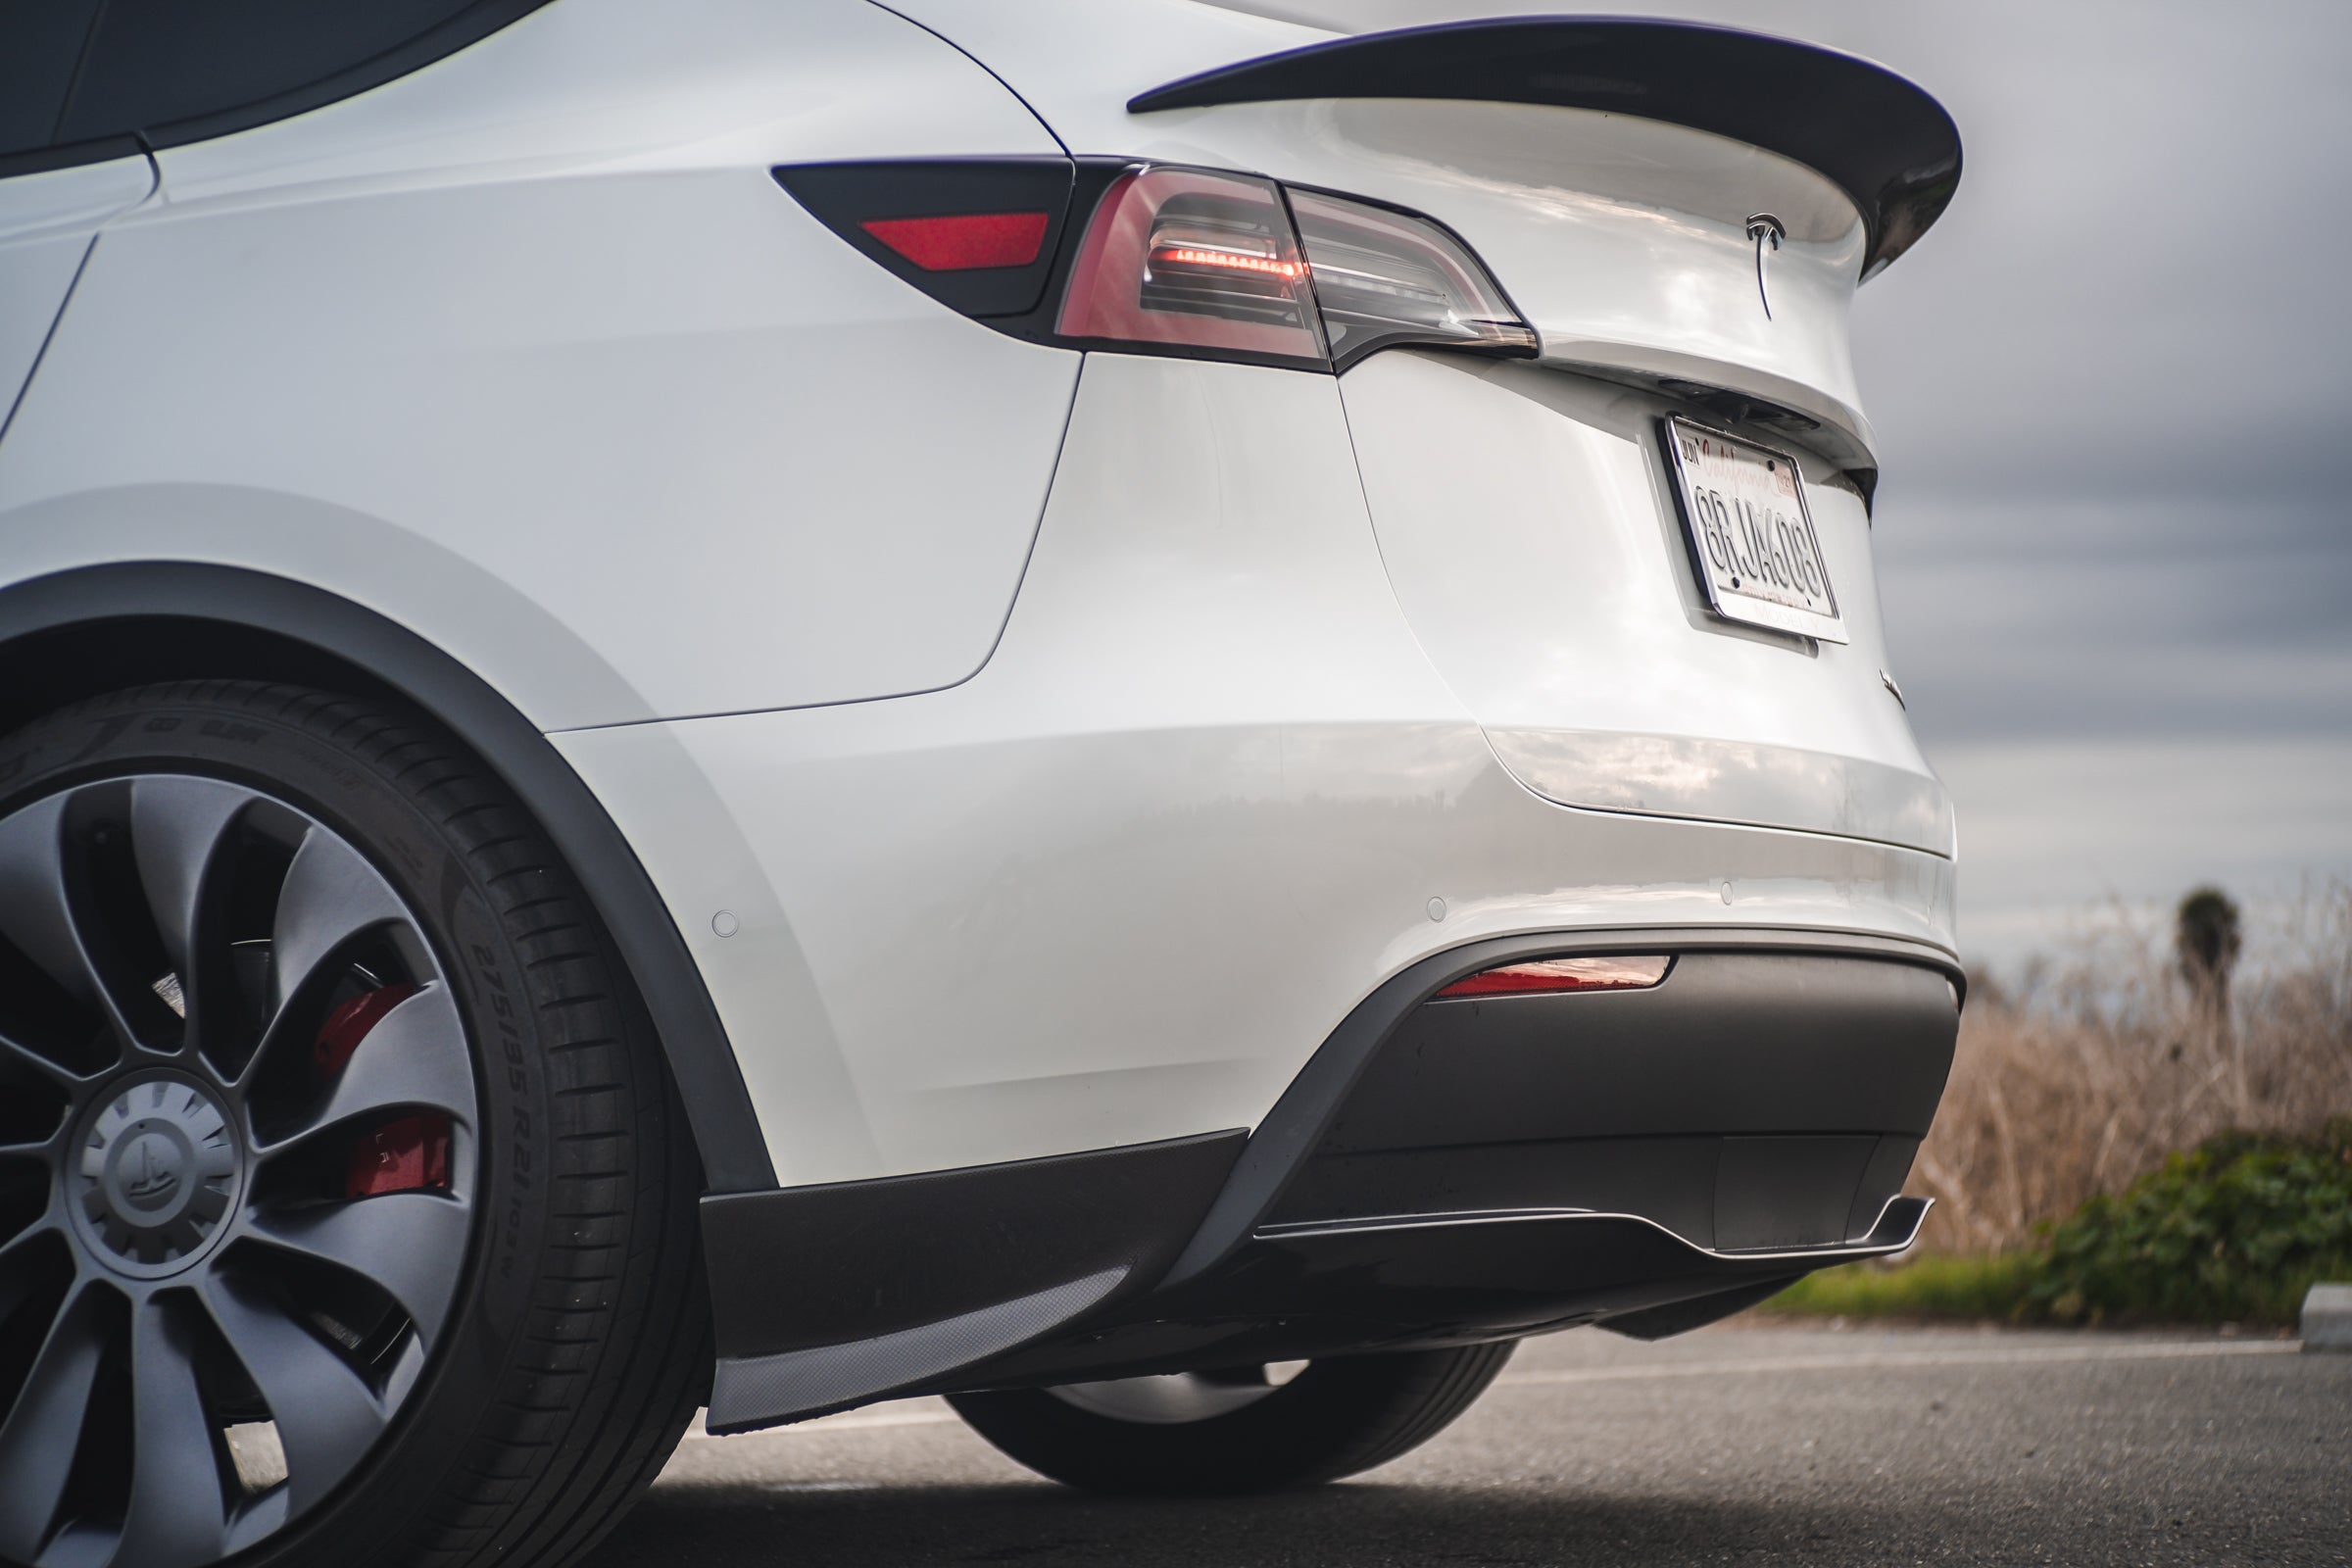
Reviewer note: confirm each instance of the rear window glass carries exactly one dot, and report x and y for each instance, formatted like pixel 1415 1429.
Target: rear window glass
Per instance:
pixel 39 42
pixel 80 71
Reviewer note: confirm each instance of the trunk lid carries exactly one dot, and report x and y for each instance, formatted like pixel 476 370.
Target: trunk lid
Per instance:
pixel 1527 511
pixel 1529 523
pixel 1607 170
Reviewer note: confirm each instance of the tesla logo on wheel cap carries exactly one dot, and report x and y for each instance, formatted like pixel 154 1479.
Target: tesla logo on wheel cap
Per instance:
pixel 149 1170
pixel 160 1171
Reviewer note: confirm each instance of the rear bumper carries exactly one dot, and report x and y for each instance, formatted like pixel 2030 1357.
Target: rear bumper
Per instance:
pixel 1440 1172
pixel 1755 1098
pixel 1210 794
pixel 1455 1278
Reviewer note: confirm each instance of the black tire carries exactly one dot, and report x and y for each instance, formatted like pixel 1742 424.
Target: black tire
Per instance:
pixel 575 1344
pixel 1336 1418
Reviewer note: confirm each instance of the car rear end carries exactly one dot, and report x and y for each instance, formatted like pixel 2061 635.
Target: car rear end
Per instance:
pixel 1243 665
pixel 1457 585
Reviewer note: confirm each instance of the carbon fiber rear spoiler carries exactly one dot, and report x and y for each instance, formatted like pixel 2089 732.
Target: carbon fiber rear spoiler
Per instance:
pixel 1877 137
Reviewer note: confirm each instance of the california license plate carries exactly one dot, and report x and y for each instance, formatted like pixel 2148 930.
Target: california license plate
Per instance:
pixel 1751 537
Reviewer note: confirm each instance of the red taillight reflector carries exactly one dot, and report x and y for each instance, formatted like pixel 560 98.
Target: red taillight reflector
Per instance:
pixel 403 1155
pixel 1563 974
pixel 963 242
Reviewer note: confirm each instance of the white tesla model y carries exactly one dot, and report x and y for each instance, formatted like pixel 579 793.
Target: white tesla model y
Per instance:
pixel 1160 720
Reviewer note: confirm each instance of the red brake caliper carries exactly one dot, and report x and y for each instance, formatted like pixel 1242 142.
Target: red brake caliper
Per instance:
pixel 404 1154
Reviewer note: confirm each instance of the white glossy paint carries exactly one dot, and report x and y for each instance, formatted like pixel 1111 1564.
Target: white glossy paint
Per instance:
pixel 615 87
pixel 1529 524
pixel 1623 240
pixel 46 223
pixel 526 352
pixel 1120 885
pixel 539 314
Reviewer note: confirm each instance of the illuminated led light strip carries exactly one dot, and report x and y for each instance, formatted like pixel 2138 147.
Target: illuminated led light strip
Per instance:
pixel 1227 259
pixel 1563 974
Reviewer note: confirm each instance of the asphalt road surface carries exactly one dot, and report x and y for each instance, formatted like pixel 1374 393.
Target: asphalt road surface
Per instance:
pixel 1734 1445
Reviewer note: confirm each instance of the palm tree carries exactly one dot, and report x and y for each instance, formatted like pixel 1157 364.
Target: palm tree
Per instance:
pixel 2205 937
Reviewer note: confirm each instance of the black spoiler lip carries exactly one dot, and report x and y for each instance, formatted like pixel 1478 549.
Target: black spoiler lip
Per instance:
pixel 1878 137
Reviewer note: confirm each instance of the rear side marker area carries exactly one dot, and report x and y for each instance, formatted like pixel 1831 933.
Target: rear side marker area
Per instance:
pixel 1551 976
pixel 963 241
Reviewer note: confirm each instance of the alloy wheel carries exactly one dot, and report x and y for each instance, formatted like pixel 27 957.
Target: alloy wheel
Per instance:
pixel 237 1168
pixel 1179 1398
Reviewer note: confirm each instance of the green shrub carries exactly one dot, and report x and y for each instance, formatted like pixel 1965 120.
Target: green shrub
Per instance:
pixel 2235 1230
pixel 2231 1232
pixel 1937 1286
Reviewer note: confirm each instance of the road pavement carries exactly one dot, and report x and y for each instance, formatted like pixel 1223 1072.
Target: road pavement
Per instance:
pixel 1734 1445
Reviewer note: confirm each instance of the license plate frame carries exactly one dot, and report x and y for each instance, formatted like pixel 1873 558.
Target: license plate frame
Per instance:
pixel 1753 548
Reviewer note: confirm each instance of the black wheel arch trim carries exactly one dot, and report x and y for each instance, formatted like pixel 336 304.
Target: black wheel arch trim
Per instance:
pixel 397 660
pixel 826 1296
pixel 1878 137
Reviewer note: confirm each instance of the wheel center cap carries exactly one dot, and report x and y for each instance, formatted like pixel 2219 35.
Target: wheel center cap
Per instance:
pixel 145 1171
pixel 159 1172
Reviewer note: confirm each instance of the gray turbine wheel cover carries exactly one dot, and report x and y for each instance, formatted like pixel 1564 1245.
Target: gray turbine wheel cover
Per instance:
pixel 200 1233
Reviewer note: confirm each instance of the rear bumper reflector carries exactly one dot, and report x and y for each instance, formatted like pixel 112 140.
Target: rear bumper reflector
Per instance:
pixel 1551 975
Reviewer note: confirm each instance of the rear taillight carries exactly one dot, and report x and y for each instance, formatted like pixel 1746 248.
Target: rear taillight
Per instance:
pixel 1185 256
pixel 1161 258
pixel 1385 278
pixel 1538 976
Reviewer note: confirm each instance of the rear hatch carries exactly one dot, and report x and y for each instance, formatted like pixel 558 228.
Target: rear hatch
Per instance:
pixel 1683 213
pixel 1529 523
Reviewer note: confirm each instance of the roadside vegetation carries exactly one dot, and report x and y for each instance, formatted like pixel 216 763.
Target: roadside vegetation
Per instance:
pixel 2133 1134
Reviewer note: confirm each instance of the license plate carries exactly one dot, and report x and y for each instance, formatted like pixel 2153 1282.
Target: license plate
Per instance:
pixel 1751 538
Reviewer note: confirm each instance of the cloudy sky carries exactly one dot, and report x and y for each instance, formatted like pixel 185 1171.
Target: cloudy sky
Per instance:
pixel 2114 393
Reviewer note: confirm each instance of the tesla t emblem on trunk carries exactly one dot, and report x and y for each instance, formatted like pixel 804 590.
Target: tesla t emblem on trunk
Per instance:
pixel 1767 231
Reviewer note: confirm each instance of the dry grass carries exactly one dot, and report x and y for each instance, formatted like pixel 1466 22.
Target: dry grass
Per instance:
pixel 2086 1074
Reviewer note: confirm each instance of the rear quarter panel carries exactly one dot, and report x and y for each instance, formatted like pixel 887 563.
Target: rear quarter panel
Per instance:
pixel 539 316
